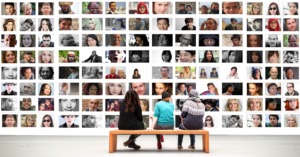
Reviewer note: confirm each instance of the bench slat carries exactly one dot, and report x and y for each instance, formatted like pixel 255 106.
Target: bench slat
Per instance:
pixel 150 132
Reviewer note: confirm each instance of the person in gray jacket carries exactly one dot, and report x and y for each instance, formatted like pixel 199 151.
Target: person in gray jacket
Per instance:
pixel 191 117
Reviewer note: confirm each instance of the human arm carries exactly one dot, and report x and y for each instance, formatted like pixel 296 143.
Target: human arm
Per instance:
pixel 202 27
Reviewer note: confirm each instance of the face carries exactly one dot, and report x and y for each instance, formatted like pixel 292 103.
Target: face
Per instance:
pixel 30 121
pixel 26 103
pixel 182 87
pixel 93 90
pixel 93 105
pixel 48 102
pixel 46 41
pixel 272 106
pixel 257 74
pixel 232 120
pixel 68 105
pixel 28 89
pixel 254 57
pixel 290 88
pixel 211 25
pixel 273 73
pixel 10 122
pixel 91 42
pixel 47 122
pixel 115 56
pixel 160 88
pixel 293 41
pixel 209 55
pixel 42 107
pixel 26 40
pixel 253 89
pixel 289 74
pixel 65 9
pixel 65 25
pixel 273 90
pixel 162 40
pixel 231 57
pixel 115 88
pixel 135 58
pixel 117 39
pixel 293 103
pixel 9 73
pixel 27 73
pixel 256 120
pixel 112 70
pixel 291 122
pixel 273 9
pixel 142 9
pixel 186 39
pixel 9 40
pixel 10 57
pixel 186 57
pixel 70 119
pixel 209 42
pixel 256 9
pixel 45 72
pixel 92 25
pixel 94 8
pixel 161 7
pixel 121 73
pixel 166 57
pixel 140 88
pixel 46 10
pixel 291 24
pixel 231 7
pixel 113 7
pixel 9 87
pixel 255 105
pixel 211 88
pixel 236 41
pixel 9 26
pixel 45 25
pixel 208 106
pixel 47 90
pixel 208 120
pixel 204 10
pixel 68 40
pixel 273 24
pixel 164 72
pixel 28 10
pixel 9 9
pixel 163 24
pixel 46 56
pixel 292 8
pixel 232 105
pixel 274 59
pixel 273 121
pixel 253 40
pixel 233 71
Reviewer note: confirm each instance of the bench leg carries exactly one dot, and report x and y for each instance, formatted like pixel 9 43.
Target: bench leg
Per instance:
pixel 205 142
pixel 112 142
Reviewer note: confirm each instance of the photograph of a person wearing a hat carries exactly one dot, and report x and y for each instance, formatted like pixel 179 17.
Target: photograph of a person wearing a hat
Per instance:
pixel 9 89
pixel 65 8
pixel 69 121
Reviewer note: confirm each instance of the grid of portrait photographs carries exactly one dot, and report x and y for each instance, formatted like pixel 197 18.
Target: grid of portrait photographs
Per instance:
pixel 69 64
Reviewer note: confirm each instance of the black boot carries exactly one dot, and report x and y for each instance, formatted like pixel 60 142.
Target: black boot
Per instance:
pixel 134 146
pixel 128 142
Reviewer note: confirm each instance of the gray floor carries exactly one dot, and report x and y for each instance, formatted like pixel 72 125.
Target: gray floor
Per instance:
pixel 97 146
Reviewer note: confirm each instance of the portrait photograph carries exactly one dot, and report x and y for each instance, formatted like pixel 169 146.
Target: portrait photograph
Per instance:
pixel 162 72
pixel 138 24
pixel 115 24
pixel 92 121
pixel 68 88
pixel 188 7
pixel 9 104
pixel 254 24
pixel 92 40
pixel 162 24
pixel 139 8
pixel 92 24
pixel 92 105
pixel 115 7
pixel 138 56
pixel 231 24
pixel 207 7
pixel 162 56
pixel 92 7
pixel 232 121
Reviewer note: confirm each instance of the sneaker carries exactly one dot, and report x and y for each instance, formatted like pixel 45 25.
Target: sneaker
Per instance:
pixel 192 148
pixel 159 146
pixel 162 139
pixel 134 146
pixel 180 148
pixel 126 143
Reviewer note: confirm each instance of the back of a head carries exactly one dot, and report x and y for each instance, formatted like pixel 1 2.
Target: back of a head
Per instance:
pixel 193 93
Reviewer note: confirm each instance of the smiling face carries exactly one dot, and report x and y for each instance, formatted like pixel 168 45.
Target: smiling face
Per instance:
pixel 26 103
pixel 291 24
pixel 253 89
pixel 186 57
pixel 255 104
pixel 46 56
pixel 28 9
pixel 233 105
pixel 292 8
pixel 10 57
pixel 47 90
pixel 47 121
pixel 45 25
pixel 160 7
pixel 68 105
pixel 291 121
pixel 9 73
pixel 91 42
pixel 162 24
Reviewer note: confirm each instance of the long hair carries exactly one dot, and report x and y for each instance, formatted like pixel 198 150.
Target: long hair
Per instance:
pixel 6 21
pixel 205 58
pixel 239 108
pixel 43 88
pixel 51 124
pixel 48 23
pixel 277 12
pixel 131 100
pixel 93 36
pixel 212 121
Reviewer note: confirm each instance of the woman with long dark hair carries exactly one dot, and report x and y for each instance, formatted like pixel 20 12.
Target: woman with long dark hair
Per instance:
pixel 131 117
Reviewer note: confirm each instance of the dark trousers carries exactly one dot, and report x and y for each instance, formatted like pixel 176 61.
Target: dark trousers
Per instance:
pixel 180 137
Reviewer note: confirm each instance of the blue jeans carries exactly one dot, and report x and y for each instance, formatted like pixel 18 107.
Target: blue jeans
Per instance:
pixel 180 137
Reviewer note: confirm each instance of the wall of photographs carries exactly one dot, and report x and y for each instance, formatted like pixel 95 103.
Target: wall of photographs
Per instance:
pixel 71 62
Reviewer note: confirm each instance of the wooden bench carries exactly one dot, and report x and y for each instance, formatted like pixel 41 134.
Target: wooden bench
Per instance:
pixel 113 136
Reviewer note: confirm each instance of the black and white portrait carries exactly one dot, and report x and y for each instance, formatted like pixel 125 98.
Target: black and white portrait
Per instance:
pixel 92 72
pixel 9 104
pixel 232 121
pixel 69 40
pixel 254 24
pixel 273 40
pixel 68 105
pixel 139 56
pixel 290 56
pixel 27 89
pixel 91 121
